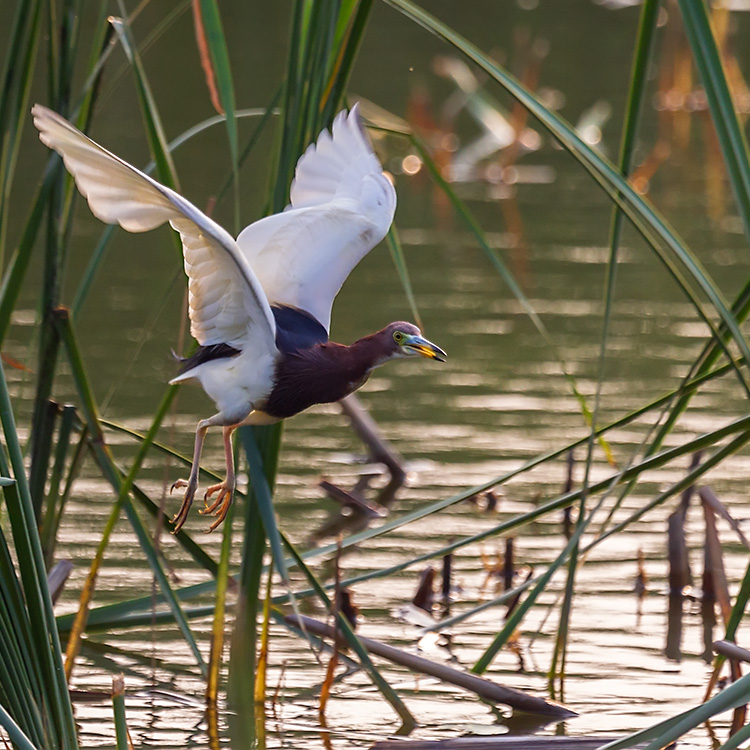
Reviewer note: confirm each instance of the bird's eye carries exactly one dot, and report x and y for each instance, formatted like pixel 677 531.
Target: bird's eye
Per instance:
pixel 398 337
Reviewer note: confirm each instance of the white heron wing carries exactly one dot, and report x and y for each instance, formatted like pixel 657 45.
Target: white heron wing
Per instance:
pixel 227 303
pixel 342 205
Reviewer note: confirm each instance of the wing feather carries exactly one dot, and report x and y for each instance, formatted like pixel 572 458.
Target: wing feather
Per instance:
pixel 227 302
pixel 342 205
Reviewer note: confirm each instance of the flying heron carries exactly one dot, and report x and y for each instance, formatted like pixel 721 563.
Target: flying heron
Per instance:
pixel 260 306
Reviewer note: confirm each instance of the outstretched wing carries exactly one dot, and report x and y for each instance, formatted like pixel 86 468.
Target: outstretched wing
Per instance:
pixel 342 205
pixel 227 303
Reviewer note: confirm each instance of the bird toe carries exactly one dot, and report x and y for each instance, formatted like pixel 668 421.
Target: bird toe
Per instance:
pixel 178 485
pixel 220 506
pixel 181 516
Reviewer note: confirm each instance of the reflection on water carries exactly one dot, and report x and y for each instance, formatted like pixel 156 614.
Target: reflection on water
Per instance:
pixel 499 401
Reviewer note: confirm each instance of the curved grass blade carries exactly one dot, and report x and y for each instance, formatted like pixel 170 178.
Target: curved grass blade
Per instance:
pixel 733 143
pixel 743 735
pixel 562 501
pixel 730 132
pixel 117 614
pixel 352 24
pixel 662 734
pixel 20 670
pixel 514 620
pixel 262 491
pixel 516 616
pixel 262 667
pixel 680 262
pixel 18 73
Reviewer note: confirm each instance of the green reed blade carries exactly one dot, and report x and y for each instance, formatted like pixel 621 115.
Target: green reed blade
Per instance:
pixel 34 582
pixel 514 619
pixel 265 115
pixel 562 501
pixel 242 659
pixel 110 615
pixel 351 39
pixel 17 737
pixel 54 508
pixel 152 556
pixel 161 27
pixel 729 129
pixel 18 73
pixel 644 735
pixel 118 710
pixel 743 735
pixel 19 263
pixel 218 625
pixel 262 492
pixel 733 143
pixel 678 259
pixel 20 671
pixel 665 732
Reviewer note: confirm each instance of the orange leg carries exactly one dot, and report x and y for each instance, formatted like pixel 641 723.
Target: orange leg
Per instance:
pixel 220 506
pixel 190 485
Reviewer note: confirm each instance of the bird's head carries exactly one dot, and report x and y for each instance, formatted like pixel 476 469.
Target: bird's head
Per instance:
pixel 401 339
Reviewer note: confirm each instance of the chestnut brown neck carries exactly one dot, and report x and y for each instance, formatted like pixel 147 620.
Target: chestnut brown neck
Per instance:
pixel 322 374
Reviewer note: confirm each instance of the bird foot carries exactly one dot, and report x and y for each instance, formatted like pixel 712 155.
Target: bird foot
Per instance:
pixel 220 506
pixel 187 501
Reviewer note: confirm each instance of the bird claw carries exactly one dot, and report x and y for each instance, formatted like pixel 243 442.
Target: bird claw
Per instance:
pixel 220 506
pixel 182 514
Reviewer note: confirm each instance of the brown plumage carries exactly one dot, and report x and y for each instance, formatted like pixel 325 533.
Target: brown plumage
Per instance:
pixel 327 372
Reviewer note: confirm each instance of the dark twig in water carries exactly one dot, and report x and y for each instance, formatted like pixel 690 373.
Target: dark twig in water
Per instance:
pixel 708 497
pixel 732 651
pixel 379 452
pixel 57 578
pixel 445 589
pixel 498 742
pixel 368 432
pixel 485 689
pixel 424 598
pixel 352 499
pixel 567 487
pixel 716 590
